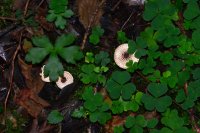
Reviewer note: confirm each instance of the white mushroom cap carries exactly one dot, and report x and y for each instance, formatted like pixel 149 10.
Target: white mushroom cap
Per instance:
pixel 119 54
pixel 68 80
pixel 42 76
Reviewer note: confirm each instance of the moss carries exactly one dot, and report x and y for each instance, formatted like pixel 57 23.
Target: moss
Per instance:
pixel 5 11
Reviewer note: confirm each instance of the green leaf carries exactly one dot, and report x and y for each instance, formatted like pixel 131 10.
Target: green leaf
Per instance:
pixel 71 54
pixel 58 7
pixel 196 73
pixel 94 39
pixel 121 77
pixel 68 13
pixel 152 123
pixel 97 32
pixel 156 89
pixel 195 39
pixel 55 117
pixel 119 129
pixel 130 121
pixel 117 107
pixel 60 22
pixel 78 113
pixel 102 58
pixel 163 103
pixel 64 40
pixel 166 58
pixel 35 58
pixel 128 90
pixel 42 42
pixel 53 68
pixel 89 58
pixel 172 120
pixel 192 10
pixel 121 37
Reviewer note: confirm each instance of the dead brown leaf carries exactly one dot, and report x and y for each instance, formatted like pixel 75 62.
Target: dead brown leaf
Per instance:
pixel 28 98
pixel 86 10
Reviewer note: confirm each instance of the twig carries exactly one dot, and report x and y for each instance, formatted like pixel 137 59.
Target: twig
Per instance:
pixel 116 5
pixel 127 20
pixel 26 8
pixel 8 18
pixel 12 74
pixel 7 49
pixel 42 1
pixel 90 24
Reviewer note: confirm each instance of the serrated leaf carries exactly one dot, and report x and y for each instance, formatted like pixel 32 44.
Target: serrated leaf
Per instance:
pixel 71 54
pixel 33 57
pixel 64 40
pixel 42 42
pixel 53 68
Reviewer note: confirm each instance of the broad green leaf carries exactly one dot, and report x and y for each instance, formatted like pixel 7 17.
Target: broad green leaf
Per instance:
pixel 71 54
pixel 53 68
pixel 42 42
pixel 64 40
pixel 36 55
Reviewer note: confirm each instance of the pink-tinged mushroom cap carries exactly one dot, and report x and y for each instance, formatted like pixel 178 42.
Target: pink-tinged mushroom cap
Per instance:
pixel 121 56
pixel 65 80
pixel 45 79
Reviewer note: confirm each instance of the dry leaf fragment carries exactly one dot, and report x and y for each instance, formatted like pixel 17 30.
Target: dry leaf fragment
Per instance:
pixel 28 98
pixel 86 10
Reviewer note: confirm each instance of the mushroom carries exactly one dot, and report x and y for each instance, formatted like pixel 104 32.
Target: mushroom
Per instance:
pixel 121 56
pixel 65 80
pixel 42 76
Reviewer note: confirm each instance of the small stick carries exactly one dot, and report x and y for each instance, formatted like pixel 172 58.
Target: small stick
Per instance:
pixel 26 7
pixel 7 18
pixel 11 78
pixel 127 20
pixel 116 5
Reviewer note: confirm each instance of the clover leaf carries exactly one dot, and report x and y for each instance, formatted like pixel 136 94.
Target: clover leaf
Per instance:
pixel 188 101
pixel 44 47
pixel 89 75
pixel 118 85
pixel 155 7
pixel 172 120
pixel 55 117
pixel 102 58
pixel 121 37
pixel 156 100
pixel 119 129
pixel 138 47
pixel 147 65
pixel 192 10
pixel 96 106
pixel 148 36
pixel 97 32
pixel 136 124
pixel 92 101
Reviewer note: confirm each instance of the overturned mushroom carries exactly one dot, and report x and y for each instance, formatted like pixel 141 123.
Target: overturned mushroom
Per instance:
pixel 121 56
pixel 42 76
pixel 65 80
